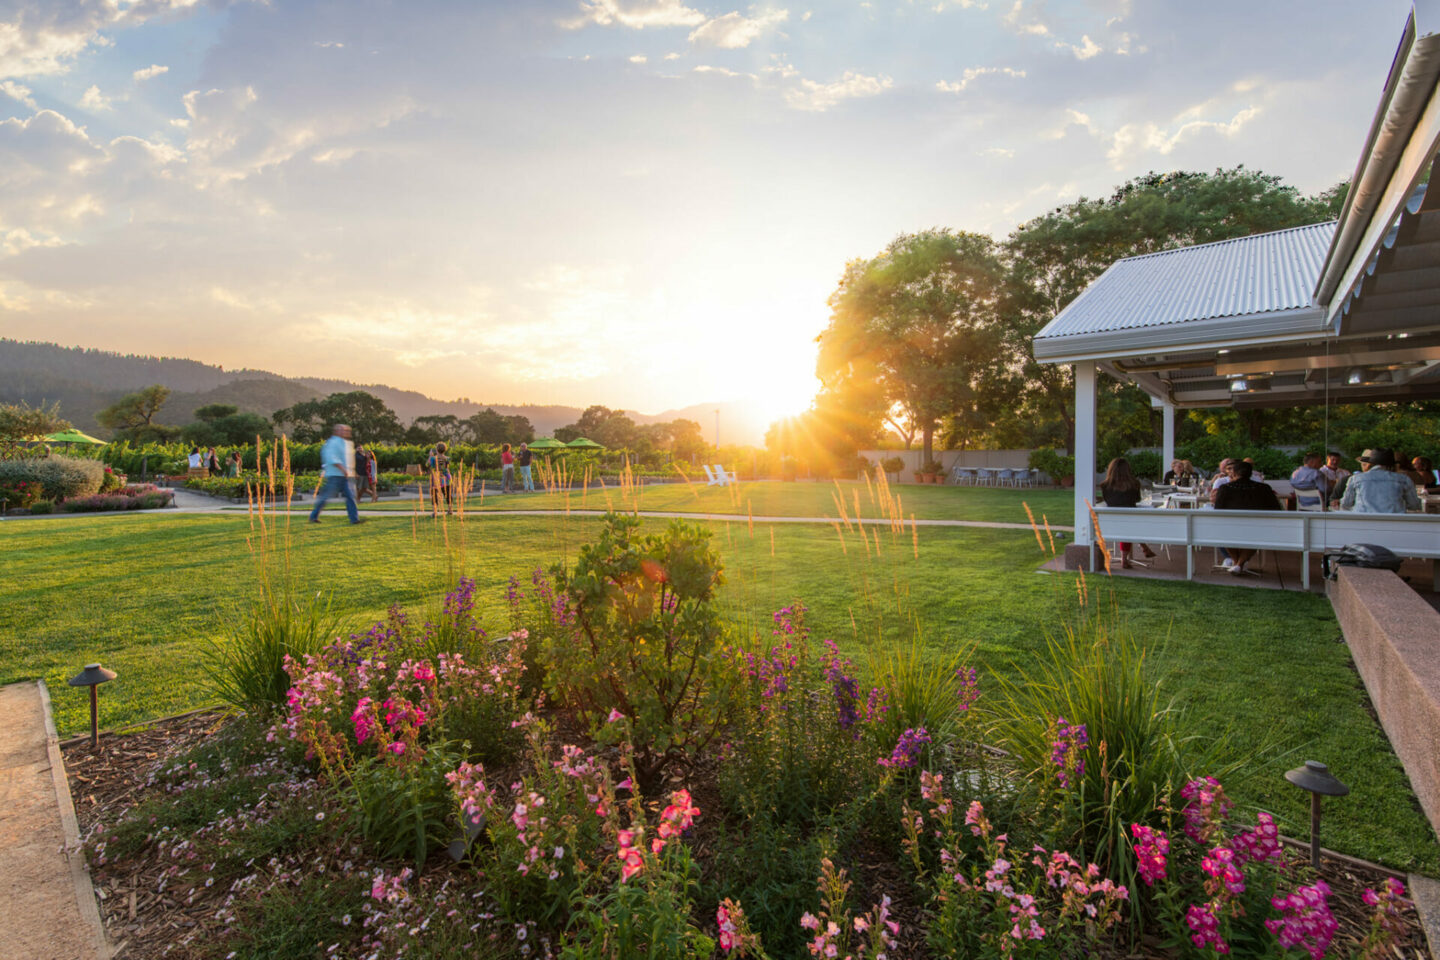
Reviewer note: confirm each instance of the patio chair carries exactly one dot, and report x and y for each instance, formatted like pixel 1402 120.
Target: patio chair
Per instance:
pixel 1309 501
pixel 962 476
pixel 710 480
pixel 723 478
pixel 1005 477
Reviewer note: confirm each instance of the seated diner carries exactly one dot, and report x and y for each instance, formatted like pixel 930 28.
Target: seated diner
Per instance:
pixel 1244 493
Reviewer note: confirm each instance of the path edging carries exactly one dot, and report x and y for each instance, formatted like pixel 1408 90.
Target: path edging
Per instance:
pixel 70 825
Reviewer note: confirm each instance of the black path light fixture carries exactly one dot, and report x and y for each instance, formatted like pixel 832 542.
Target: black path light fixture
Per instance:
pixel 92 676
pixel 1316 778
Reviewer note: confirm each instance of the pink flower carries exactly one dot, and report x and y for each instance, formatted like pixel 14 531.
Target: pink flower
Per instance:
pixel 1151 846
pixel 615 716
pixel 397 748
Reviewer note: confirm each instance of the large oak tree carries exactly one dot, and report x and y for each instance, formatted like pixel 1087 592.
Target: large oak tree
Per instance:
pixel 912 334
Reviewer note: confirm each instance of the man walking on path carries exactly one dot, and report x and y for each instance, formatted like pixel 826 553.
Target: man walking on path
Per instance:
pixel 522 460
pixel 337 462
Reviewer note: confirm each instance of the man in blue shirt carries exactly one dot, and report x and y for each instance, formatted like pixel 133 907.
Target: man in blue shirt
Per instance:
pixel 1379 489
pixel 1307 476
pixel 337 464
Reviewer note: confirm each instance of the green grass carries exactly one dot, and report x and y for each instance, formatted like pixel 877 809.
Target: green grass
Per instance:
pixel 1264 668
pixel 768 498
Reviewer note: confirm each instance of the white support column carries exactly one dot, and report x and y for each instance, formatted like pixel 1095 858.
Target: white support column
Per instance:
pixel 1167 444
pixel 1084 449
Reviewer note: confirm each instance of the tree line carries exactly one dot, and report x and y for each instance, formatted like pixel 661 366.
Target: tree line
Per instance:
pixel 135 418
pixel 929 341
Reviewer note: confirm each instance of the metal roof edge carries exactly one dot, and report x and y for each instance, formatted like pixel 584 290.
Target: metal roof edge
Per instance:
pixel 1256 328
pixel 1215 243
pixel 1080 298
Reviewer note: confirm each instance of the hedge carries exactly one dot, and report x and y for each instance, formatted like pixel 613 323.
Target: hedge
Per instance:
pixel 59 477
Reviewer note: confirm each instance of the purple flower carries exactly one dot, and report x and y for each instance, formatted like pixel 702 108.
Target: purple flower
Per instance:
pixel 907 749
pixel 1070 741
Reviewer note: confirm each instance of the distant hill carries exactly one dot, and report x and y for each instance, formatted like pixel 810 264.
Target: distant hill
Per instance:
pixel 85 381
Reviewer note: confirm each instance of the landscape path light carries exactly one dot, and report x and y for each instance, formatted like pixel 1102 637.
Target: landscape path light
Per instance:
pixel 92 676
pixel 1316 778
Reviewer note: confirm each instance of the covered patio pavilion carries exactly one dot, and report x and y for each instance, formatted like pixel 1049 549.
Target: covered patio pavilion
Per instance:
pixel 1339 312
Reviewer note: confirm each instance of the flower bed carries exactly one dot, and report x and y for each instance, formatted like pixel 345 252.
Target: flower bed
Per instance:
pixel 142 496
pixel 624 773
pixel 238 488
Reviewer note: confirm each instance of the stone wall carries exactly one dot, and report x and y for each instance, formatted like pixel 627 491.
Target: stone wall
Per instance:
pixel 1394 638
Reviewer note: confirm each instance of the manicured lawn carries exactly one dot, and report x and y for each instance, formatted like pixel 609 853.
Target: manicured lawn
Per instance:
pixel 1264 669
pixel 769 498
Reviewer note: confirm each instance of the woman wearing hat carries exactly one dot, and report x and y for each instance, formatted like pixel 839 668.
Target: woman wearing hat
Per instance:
pixel 1379 489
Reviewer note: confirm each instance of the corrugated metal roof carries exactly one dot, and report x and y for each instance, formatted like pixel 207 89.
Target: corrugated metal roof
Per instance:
pixel 1260 274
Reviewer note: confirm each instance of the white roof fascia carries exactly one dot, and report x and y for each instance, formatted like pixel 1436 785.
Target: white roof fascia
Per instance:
pixel 1275 326
pixel 1410 114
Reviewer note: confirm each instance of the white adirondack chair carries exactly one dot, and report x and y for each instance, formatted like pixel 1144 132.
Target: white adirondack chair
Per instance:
pixel 710 480
pixel 723 478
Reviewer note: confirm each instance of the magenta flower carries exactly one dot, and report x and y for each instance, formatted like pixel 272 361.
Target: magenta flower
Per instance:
pixel 1305 920
pixel 1151 846
pixel 907 749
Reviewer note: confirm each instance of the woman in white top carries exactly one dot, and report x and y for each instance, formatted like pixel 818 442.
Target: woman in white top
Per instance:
pixel 195 458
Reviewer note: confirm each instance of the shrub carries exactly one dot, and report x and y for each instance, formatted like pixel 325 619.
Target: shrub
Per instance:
pixel 247 668
pixel 1052 463
pixel 1098 745
pixel 41 506
pixel 633 632
pixel 19 493
pixel 802 742
pixel 1146 464
pixel 59 477
pixel 112 480
pixel 893 464
pixel 131 497
pixel 238 488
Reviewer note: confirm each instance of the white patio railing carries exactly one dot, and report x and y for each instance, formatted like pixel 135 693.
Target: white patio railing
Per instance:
pixel 1409 535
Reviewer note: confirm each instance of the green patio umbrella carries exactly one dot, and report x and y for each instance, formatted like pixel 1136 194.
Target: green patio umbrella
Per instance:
pixel 547 443
pixel 580 443
pixel 72 436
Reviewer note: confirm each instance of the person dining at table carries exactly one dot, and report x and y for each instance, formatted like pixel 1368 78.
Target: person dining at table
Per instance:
pixel 1120 488
pixel 1307 476
pixel 1223 475
pixel 1378 488
pixel 1242 492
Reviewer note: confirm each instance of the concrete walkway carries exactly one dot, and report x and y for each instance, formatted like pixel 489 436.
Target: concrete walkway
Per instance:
pixel 188 501
pixel 49 907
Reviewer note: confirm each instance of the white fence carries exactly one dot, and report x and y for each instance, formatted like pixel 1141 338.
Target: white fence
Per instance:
pixel 1409 535
pixel 1014 459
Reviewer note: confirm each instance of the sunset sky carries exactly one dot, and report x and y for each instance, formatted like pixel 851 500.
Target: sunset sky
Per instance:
pixel 641 203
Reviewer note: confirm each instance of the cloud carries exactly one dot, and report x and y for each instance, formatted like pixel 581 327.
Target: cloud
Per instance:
pixel 45 38
pixel 1004 153
pixel 94 101
pixel 1017 21
pixel 972 73
pixel 942 5
pixel 154 70
pixel 635 14
pixel 1084 50
pixel 1135 139
pixel 638 58
pixel 734 31
pixel 19 92
pixel 818 97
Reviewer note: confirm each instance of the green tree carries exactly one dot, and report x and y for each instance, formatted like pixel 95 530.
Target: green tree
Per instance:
pixel 913 330
pixel 1054 257
pixel 132 417
pixel 312 420
pixel 611 428
pixel 432 428
pixel 20 422
pixel 487 426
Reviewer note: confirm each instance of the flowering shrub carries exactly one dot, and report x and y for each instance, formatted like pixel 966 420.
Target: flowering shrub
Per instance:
pixel 19 493
pixel 1027 904
pixel 633 629
pixel 1099 746
pixel 798 746
pixel 144 496
pixel 1214 885
pixel 58 477
pixel 386 715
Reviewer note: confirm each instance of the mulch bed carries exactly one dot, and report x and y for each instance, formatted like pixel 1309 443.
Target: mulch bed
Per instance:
pixel 142 919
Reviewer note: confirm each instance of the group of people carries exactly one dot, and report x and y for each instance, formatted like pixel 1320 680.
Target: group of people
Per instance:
pixel 210 462
pixel 1379 487
pixel 437 465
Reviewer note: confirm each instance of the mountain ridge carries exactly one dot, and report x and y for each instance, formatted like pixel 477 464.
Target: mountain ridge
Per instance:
pixel 85 380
